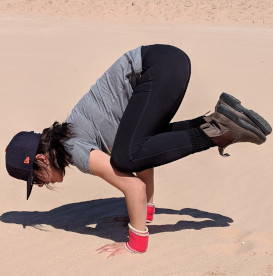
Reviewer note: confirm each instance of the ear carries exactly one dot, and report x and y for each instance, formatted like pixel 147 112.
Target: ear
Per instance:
pixel 42 158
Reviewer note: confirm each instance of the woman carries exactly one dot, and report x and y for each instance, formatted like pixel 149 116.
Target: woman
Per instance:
pixel 122 126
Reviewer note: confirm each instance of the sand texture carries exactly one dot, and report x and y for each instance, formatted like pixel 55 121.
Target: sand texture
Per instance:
pixel 246 12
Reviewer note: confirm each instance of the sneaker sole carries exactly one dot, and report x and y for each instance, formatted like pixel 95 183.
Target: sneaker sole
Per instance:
pixel 252 115
pixel 239 121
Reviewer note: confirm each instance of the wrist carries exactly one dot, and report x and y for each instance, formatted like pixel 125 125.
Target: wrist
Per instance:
pixel 150 212
pixel 138 240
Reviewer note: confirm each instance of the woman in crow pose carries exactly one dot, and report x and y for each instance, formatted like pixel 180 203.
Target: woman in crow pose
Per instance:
pixel 120 130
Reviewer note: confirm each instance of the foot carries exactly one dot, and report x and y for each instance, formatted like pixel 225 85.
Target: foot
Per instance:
pixel 234 105
pixel 227 127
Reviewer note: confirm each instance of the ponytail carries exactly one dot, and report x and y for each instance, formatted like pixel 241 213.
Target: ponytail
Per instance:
pixel 51 142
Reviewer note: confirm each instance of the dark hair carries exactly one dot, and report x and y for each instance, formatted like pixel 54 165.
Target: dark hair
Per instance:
pixel 51 142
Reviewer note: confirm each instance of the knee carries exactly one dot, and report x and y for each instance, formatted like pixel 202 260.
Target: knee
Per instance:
pixel 179 56
pixel 184 59
pixel 187 59
pixel 121 163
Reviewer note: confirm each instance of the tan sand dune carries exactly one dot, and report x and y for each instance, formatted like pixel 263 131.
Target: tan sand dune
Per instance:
pixel 250 12
pixel 214 215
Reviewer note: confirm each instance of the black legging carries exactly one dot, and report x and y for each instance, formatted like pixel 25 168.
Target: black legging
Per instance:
pixel 145 137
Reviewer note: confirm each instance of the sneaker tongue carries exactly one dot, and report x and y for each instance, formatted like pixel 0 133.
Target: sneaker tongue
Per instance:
pixel 214 123
pixel 212 130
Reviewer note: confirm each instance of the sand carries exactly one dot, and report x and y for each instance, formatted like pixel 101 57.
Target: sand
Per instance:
pixel 214 215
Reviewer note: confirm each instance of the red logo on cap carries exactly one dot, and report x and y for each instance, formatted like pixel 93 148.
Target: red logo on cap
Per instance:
pixel 26 161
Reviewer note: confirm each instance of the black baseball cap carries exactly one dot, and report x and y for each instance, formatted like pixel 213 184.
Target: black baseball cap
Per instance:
pixel 20 154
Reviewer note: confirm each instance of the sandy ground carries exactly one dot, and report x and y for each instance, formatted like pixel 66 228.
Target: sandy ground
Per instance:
pixel 214 215
pixel 242 12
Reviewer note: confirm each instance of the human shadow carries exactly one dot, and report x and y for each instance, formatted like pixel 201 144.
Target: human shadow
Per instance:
pixel 100 217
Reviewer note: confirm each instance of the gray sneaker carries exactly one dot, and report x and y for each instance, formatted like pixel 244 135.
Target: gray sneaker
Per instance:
pixel 225 127
pixel 234 105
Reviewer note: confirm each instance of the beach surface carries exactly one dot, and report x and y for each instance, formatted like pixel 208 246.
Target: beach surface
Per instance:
pixel 214 214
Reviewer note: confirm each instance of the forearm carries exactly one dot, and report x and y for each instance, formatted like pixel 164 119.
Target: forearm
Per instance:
pixel 132 187
pixel 147 176
pixel 134 191
pixel 136 201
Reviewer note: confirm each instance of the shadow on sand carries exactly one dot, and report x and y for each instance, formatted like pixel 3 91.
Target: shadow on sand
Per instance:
pixel 108 218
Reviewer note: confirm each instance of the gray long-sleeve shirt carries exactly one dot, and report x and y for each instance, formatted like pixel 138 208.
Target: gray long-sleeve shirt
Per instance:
pixel 96 116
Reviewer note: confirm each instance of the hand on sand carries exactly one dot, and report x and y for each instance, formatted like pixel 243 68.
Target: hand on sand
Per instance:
pixel 116 248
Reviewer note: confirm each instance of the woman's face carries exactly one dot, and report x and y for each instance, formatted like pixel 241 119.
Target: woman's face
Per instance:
pixel 47 173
